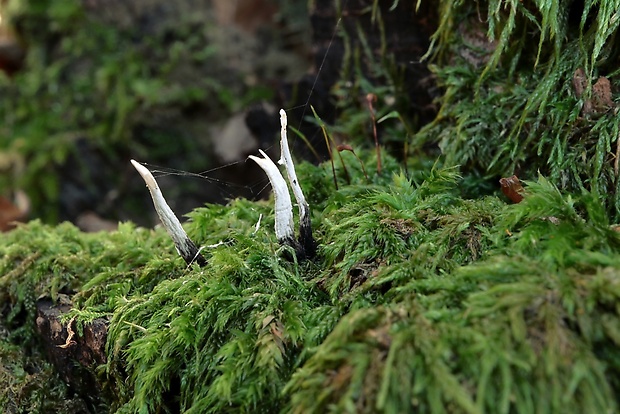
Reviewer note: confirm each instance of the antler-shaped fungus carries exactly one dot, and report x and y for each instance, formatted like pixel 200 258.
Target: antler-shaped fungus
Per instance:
pixel 306 246
pixel 185 246
pixel 305 225
pixel 285 232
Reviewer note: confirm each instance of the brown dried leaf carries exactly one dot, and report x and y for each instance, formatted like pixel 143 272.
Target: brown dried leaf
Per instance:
pixel 267 320
pixel 478 47
pixel 11 212
pixel 601 92
pixel 580 82
pixel 601 99
pixel 512 188
pixel 277 330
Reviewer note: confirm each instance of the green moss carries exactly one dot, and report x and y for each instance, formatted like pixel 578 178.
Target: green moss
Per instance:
pixel 511 108
pixel 417 298
pixel 513 331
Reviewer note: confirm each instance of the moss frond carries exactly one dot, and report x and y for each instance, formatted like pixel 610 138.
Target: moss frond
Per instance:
pixel 418 299
pixel 508 108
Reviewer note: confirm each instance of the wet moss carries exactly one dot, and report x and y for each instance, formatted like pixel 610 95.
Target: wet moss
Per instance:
pixel 417 298
pixel 529 90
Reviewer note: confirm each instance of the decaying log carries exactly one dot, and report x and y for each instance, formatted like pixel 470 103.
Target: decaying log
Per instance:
pixel 74 356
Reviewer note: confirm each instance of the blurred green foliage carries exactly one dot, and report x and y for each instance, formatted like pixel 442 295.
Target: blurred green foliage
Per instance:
pixel 122 90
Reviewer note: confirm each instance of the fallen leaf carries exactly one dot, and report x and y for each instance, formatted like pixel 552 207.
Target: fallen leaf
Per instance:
pixel 580 82
pixel 601 94
pixel 600 100
pixel 512 188
pixel 267 320
pixel 12 211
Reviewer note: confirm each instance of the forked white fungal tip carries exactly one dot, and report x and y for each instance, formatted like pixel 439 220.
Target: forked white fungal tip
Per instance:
pixel 283 207
pixel 283 140
pixel 287 160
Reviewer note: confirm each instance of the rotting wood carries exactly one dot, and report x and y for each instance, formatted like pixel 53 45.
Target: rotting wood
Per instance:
pixel 73 356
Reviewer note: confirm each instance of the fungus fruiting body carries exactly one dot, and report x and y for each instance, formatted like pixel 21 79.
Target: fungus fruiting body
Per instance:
pixel 305 225
pixel 185 246
pixel 285 231
pixel 305 246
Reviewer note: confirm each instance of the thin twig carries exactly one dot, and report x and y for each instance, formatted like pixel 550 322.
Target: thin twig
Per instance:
pixel 70 336
pixel 617 160
pixel 327 144
pixel 346 147
pixel 370 99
